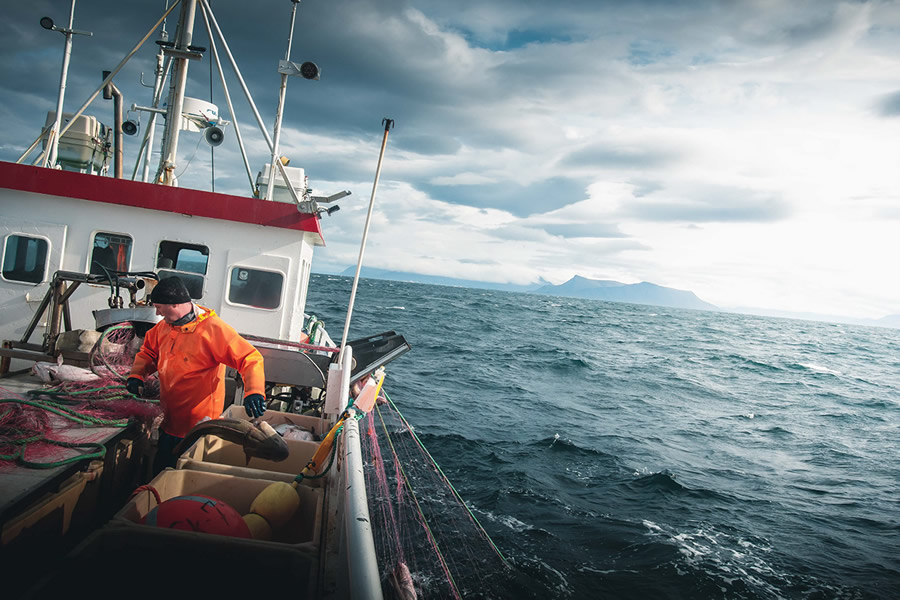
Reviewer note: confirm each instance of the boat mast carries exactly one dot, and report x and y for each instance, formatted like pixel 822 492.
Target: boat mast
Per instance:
pixel 276 138
pixel 181 53
pixel 53 136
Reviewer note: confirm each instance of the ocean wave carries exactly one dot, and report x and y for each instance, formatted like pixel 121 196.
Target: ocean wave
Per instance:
pixel 568 447
pixel 777 431
pixel 815 368
pixel 663 480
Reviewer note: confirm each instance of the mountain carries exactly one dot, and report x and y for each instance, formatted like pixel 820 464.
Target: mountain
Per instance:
pixel 614 291
pixel 889 321
pixel 577 287
pixel 373 273
pixel 635 293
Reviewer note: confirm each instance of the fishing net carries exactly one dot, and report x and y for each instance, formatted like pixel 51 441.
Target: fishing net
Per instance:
pixel 426 537
pixel 36 429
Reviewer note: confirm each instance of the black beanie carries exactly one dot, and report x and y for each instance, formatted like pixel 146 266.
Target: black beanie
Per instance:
pixel 170 290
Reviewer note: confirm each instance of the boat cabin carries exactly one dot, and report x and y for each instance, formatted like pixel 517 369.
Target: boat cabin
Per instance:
pixel 246 258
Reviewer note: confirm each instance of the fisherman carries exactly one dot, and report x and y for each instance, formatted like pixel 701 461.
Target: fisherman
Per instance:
pixel 190 349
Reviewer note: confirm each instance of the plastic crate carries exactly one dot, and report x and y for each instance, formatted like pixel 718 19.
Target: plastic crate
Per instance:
pixel 301 533
pixel 143 562
pixel 215 455
pixel 274 418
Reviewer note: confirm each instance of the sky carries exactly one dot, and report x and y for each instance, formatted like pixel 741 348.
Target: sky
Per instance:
pixel 746 151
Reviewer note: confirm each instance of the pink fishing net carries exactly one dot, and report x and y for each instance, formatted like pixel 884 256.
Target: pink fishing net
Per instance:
pixel 419 521
pixel 55 423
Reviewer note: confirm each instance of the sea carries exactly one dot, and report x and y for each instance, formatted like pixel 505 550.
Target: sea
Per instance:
pixel 616 450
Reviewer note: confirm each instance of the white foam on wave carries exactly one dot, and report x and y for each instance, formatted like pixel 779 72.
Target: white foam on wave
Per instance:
pixel 705 549
pixel 508 520
pixel 819 368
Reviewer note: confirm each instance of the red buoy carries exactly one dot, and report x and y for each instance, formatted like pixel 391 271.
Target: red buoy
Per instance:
pixel 198 513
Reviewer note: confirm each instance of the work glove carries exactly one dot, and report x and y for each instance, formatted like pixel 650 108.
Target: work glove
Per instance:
pixel 134 386
pixel 255 405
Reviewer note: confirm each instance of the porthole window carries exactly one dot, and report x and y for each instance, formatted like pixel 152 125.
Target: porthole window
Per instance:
pixel 110 252
pixel 186 261
pixel 256 288
pixel 25 258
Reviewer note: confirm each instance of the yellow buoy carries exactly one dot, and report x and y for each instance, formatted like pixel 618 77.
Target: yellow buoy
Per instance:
pixel 259 527
pixel 277 503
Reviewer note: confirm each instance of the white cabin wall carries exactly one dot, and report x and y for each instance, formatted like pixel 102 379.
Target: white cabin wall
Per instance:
pixel 80 219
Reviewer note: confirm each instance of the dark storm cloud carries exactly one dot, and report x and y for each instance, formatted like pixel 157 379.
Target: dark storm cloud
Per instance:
pixel 520 200
pixel 428 144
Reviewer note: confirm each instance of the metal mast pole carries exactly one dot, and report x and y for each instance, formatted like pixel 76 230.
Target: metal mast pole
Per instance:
pixel 67 53
pixel 166 172
pixel 270 188
pixel 388 123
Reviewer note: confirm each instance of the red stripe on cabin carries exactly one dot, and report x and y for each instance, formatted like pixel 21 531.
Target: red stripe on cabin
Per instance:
pixel 184 201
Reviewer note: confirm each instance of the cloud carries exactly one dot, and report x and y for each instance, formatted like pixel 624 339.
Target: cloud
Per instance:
pixel 584 230
pixel 519 198
pixel 889 105
pixel 730 206
pixel 625 157
pixel 531 141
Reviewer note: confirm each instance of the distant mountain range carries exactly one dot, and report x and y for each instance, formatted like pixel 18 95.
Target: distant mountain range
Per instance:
pixel 615 291
pixel 634 293
pixel 577 287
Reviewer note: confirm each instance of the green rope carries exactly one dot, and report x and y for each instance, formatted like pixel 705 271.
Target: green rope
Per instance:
pixel 120 393
pixel 446 479
pixel 58 409
pixel 19 456
pixel 418 507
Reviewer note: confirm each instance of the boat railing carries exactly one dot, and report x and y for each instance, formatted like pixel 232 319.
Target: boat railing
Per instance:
pixel 349 523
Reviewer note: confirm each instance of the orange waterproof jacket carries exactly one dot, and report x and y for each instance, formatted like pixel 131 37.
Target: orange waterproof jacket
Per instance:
pixel 191 361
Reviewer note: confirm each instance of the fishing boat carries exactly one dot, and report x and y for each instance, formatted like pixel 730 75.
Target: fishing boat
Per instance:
pixel 82 246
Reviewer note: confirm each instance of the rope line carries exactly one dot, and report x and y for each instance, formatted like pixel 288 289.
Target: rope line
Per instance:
pixel 19 456
pixel 57 409
pixel 300 476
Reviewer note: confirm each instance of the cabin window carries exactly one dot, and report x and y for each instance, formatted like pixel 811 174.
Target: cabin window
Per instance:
pixel 25 258
pixel 252 287
pixel 186 261
pixel 110 252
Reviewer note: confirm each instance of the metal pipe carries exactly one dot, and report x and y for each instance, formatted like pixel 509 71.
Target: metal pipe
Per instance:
pixel 119 138
pixel 111 91
pixel 183 37
pixel 365 582
pixel 388 123
pixel 112 74
pixel 282 92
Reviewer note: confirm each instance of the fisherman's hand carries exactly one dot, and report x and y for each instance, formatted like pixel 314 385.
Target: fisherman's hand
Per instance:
pixel 255 405
pixel 134 386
